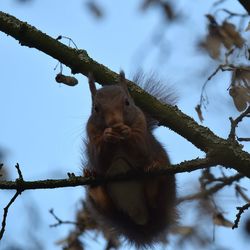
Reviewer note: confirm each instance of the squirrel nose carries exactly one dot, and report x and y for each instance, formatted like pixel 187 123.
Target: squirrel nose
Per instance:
pixel 114 119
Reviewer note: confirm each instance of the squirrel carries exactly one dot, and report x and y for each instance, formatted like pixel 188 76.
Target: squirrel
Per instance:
pixel 120 140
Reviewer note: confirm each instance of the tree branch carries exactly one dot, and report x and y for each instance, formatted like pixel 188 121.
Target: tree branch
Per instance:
pixel 238 216
pixel 234 123
pixel 225 152
pixel 186 166
pixel 6 210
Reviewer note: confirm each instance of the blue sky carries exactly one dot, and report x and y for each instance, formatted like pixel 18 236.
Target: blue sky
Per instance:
pixel 43 123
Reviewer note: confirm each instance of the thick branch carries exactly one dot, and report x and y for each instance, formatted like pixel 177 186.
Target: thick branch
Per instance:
pixel 74 181
pixel 225 152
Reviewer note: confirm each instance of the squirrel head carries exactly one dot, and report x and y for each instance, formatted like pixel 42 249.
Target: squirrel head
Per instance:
pixel 112 105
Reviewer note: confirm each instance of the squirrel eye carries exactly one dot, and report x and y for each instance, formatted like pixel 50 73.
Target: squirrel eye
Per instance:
pixel 127 102
pixel 96 109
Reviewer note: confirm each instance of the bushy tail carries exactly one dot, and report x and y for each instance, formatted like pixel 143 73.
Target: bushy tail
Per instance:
pixel 155 87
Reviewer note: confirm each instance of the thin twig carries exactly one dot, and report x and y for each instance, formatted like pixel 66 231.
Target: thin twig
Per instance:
pixel 204 193
pixel 59 221
pixel 222 67
pixel 232 14
pixel 6 209
pixel 238 216
pixel 243 139
pixel 69 39
pixel 215 4
pixel 19 172
pixel 240 192
pixel 234 123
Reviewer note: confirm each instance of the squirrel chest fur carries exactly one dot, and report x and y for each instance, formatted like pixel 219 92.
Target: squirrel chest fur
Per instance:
pixel 120 140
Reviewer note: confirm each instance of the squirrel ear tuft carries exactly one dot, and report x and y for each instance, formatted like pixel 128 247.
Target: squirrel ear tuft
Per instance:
pixel 122 76
pixel 123 82
pixel 92 86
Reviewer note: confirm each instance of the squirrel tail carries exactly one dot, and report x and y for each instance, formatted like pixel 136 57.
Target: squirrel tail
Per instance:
pixel 155 87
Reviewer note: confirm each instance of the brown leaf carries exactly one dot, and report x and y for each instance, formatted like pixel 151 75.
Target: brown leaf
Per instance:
pixel 241 77
pixel 241 97
pixel 199 112
pixel 232 35
pixel 225 34
pixel 220 220
pixel 240 87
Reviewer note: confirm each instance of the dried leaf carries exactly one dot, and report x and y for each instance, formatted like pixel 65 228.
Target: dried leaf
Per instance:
pixel 68 80
pixel 183 230
pixel 212 44
pixel 225 34
pixel 240 87
pixel 241 97
pixel 232 34
pixel 220 220
pixel 199 112
pixel 241 77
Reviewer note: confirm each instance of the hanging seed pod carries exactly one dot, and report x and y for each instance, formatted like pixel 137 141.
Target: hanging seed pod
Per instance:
pixel 68 80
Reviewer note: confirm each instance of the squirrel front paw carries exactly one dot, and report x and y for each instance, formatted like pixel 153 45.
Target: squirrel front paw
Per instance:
pixel 123 130
pixel 117 133
pixel 109 135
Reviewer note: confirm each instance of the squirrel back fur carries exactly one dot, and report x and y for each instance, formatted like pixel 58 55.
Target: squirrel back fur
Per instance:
pixel 120 140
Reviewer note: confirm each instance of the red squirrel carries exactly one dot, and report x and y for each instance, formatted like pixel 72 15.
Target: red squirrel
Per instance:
pixel 120 140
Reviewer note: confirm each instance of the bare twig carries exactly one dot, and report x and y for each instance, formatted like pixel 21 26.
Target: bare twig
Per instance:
pixel 222 67
pixel 234 123
pixel 186 166
pixel 207 192
pixel 59 221
pixel 19 172
pixel 238 216
pixel 240 192
pixel 232 14
pixel 243 139
pixel 6 209
pixel 69 39
pixel 218 2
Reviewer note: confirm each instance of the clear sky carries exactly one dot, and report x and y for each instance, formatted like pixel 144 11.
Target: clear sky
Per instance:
pixel 43 123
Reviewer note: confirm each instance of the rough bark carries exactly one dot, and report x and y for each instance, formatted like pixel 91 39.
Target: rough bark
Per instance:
pixel 224 152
